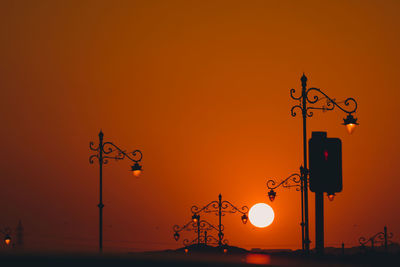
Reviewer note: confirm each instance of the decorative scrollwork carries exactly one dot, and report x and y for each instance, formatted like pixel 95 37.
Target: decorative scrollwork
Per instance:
pixel 206 226
pixel 92 158
pixel 293 178
pixel 293 112
pixel 331 103
pixel 194 226
pixel 108 147
pixel 309 113
pixel 211 240
pixel 226 204
pixel 213 204
pixel 93 147
pixel 363 241
pixel 379 238
pixel 190 226
pixel 292 92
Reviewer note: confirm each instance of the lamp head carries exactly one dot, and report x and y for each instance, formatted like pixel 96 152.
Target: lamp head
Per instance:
pixel 350 122
pixel 195 218
pixel 271 195
pixel 244 219
pixel 176 236
pixel 7 240
pixel 136 169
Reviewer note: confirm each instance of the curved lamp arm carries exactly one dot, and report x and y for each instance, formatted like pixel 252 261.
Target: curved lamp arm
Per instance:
pixel 293 178
pixel 213 204
pixel 109 147
pixel 226 204
pixel 331 103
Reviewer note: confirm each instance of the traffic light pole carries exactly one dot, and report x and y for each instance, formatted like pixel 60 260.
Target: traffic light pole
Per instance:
pixel 319 223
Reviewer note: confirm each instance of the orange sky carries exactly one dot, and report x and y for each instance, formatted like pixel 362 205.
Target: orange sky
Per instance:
pixel 202 88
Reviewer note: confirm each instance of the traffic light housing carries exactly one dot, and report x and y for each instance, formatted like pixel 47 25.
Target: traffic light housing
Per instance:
pixel 325 158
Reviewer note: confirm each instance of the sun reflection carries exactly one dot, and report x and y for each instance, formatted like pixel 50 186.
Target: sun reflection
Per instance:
pixel 258 259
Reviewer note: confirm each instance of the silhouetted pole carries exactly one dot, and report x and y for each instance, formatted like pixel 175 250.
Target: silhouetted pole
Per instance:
pixel 220 234
pixel 198 231
pixel 305 174
pixel 385 236
pixel 342 248
pixel 101 205
pixel 319 222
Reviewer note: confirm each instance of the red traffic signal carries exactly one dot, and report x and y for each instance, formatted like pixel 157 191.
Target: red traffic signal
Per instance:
pixel 325 157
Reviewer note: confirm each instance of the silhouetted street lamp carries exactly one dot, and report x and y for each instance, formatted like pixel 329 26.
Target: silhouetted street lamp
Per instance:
pixel 7 236
pixel 104 151
pixel 309 97
pixel 381 237
pixel 200 227
pixel 221 207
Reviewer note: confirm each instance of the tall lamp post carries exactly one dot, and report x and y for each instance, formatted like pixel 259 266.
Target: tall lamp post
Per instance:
pixel 309 96
pixel 220 208
pixel 104 153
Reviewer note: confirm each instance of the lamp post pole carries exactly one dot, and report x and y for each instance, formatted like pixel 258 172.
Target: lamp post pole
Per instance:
pixel 220 234
pixel 104 150
pixel 350 122
pixel 306 238
pixel 101 205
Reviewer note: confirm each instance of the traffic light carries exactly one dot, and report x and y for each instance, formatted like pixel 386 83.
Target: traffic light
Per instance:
pixel 325 157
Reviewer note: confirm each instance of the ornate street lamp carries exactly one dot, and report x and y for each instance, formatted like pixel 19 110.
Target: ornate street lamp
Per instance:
pixel 200 227
pixel 7 235
pixel 104 152
pixel 219 208
pixel 310 96
pixel 382 238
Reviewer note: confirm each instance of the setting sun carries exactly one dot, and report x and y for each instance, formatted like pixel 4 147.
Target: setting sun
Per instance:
pixel 261 215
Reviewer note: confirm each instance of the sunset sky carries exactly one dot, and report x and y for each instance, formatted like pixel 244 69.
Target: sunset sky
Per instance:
pixel 202 89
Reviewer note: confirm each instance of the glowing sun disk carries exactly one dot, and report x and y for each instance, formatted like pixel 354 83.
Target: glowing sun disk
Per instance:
pixel 261 215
